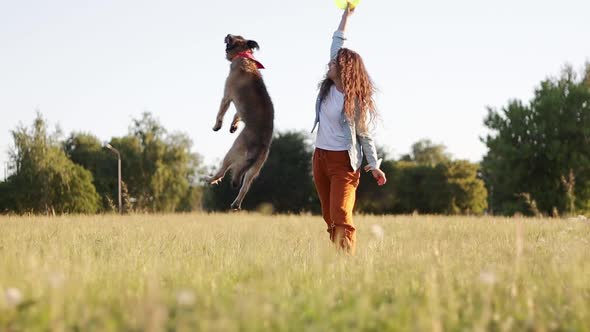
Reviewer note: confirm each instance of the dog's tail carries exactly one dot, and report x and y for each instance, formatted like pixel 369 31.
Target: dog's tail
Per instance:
pixel 260 151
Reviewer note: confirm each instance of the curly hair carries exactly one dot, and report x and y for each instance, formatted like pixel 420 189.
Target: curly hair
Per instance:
pixel 358 89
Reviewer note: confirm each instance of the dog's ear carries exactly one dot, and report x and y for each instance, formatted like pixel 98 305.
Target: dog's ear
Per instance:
pixel 252 45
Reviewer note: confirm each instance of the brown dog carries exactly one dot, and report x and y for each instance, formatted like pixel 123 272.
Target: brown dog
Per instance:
pixel 245 88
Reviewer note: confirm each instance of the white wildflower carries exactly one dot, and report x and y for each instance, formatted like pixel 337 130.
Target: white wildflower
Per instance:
pixel 13 297
pixel 487 278
pixel 56 280
pixel 378 232
pixel 185 298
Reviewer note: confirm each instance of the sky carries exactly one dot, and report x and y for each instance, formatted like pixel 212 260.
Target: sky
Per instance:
pixel 93 66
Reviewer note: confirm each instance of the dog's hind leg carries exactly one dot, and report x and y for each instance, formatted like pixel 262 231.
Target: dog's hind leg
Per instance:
pixel 228 162
pixel 215 179
pixel 237 177
pixel 249 177
pixel 250 174
pixel 239 169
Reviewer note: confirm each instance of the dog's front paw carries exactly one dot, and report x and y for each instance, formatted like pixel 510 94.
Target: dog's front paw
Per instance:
pixel 217 126
pixel 233 128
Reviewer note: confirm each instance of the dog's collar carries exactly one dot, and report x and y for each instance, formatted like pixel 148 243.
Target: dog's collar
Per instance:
pixel 248 55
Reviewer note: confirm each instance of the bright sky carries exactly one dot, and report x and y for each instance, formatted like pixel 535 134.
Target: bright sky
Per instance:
pixel 92 66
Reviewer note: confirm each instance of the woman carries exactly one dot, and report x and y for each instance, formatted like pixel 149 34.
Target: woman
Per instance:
pixel 344 111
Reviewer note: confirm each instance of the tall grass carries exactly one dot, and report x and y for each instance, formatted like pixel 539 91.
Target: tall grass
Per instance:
pixel 252 272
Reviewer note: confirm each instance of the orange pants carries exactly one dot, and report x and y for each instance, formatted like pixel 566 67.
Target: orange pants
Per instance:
pixel 336 184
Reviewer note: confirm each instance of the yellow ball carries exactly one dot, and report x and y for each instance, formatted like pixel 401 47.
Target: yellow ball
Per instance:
pixel 342 3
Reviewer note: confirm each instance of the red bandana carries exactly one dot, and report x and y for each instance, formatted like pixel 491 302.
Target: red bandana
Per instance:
pixel 248 55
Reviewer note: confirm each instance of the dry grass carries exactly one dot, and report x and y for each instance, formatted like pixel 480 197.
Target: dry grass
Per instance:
pixel 252 272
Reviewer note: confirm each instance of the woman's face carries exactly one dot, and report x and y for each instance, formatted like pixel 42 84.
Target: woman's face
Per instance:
pixel 332 70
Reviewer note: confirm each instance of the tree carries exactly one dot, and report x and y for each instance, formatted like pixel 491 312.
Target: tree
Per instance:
pixel 192 200
pixel 468 192
pixel 422 188
pixel 427 153
pixel 159 168
pixel 370 198
pixel 159 171
pixel 7 203
pixel 87 151
pixel 45 180
pixel 428 181
pixel 532 148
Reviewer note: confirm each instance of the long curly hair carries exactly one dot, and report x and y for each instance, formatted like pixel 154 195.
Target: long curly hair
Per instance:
pixel 358 89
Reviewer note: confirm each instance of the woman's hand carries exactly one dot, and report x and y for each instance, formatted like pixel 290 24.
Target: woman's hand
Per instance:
pixel 377 174
pixel 348 11
pixel 345 15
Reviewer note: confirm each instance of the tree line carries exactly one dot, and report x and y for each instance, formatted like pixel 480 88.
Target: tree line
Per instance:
pixel 538 159
pixel 78 175
pixel 538 163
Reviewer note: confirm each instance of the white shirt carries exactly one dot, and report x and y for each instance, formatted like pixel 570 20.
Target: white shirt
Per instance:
pixel 331 132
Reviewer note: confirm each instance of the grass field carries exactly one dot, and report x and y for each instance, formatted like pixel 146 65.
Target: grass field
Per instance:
pixel 248 272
